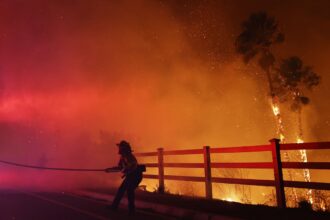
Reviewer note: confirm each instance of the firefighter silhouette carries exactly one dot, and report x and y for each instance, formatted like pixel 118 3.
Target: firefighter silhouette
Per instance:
pixel 132 174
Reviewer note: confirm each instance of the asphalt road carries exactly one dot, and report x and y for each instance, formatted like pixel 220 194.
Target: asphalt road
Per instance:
pixel 28 205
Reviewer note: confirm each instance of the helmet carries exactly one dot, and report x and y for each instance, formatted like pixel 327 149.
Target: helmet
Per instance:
pixel 124 147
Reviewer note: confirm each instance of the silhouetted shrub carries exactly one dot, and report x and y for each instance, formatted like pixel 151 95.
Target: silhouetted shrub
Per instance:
pixel 305 205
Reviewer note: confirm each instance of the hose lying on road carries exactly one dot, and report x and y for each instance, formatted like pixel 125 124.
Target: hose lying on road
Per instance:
pixel 52 168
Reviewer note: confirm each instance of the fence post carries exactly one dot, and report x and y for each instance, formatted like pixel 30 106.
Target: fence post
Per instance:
pixel 161 185
pixel 207 171
pixel 278 173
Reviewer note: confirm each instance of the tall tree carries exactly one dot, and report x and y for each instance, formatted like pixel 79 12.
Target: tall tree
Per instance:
pixel 287 83
pixel 293 79
pixel 260 33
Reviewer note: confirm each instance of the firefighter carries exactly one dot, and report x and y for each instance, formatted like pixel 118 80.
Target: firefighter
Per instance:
pixel 132 174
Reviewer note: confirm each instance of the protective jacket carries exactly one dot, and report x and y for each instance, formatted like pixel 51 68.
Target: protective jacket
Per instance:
pixel 128 164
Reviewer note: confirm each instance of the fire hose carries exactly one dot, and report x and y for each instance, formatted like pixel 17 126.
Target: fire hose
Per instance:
pixel 57 168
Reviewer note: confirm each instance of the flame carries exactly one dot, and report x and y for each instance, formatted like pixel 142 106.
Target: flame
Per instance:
pixel 276 110
pixel 277 113
pixel 322 205
pixel 307 176
pixel 299 140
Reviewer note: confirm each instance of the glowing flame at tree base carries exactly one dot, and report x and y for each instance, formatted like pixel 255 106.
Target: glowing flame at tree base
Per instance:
pixel 280 132
pixel 307 176
pixel 277 113
pixel 302 153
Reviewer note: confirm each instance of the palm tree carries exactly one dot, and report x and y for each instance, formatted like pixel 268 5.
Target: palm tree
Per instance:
pixel 259 33
pixel 288 82
pixel 294 80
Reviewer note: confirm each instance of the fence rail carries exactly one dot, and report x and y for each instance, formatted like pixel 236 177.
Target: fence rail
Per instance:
pixel 276 165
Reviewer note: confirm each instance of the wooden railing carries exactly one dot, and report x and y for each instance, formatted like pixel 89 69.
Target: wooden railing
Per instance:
pixel 276 165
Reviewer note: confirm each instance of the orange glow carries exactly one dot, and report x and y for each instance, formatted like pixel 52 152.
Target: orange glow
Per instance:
pixel 76 78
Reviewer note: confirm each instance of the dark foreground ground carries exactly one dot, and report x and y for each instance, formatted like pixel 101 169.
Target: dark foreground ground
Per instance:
pixel 27 205
pixel 32 205
pixel 226 209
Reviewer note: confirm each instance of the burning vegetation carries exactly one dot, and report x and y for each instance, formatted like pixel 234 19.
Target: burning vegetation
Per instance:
pixel 287 79
pixel 77 76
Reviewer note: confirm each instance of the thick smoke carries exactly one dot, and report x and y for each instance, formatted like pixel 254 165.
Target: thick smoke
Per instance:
pixel 79 76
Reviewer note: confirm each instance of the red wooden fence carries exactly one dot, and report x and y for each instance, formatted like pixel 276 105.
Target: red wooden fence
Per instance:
pixel 277 165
